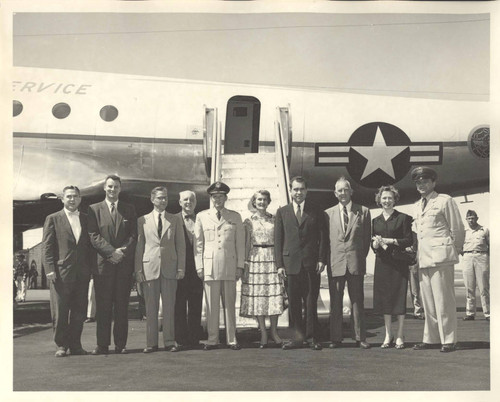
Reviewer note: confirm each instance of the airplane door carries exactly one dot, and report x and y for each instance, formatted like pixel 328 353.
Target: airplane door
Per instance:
pixel 242 125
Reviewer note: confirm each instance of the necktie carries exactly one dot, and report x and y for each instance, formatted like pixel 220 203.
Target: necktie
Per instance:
pixel 346 218
pixel 160 225
pixel 113 212
pixel 218 215
pixel 299 214
pixel 424 203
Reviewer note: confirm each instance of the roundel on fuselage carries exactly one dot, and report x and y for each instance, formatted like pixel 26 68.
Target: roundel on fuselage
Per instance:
pixel 479 142
pixel 379 154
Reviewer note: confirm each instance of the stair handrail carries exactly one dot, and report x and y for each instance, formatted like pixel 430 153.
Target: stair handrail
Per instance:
pixel 282 163
pixel 215 171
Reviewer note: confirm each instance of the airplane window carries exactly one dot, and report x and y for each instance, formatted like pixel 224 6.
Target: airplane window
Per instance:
pixel 17 108
pixel 108 113
pixel 240 111
pixel 61 110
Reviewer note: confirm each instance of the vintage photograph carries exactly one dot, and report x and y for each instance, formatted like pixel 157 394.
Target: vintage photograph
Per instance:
pixel 250 196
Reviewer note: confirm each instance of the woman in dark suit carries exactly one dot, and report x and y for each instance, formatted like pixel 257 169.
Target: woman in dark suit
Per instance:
pixel 390 230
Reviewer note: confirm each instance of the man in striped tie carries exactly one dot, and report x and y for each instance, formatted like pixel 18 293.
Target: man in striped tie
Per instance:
pixel 350 232
pixel 113 233
pixel 300 247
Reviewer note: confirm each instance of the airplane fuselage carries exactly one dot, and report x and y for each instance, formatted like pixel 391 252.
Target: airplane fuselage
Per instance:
pixel 78 127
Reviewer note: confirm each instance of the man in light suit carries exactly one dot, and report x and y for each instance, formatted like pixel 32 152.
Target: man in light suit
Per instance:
pixel 160 260
pixel 441 235
pixel 350 232
pixel 113 233
pixel 219 258
pixel 300 247
pixel 189 297
pixel 66 256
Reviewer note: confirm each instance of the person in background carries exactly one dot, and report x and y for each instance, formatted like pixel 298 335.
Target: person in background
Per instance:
pixel 476 266
pixel 261 286
pixel 189 297
pixel 160 260
pixel 22 270
pixel 33 275
pixel 391 232
pixel 440 232
pixel 66 254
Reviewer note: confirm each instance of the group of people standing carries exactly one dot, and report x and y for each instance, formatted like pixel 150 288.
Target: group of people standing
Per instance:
pixel 180 257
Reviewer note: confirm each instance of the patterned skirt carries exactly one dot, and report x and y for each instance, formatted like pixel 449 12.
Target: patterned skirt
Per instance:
pixel 262 291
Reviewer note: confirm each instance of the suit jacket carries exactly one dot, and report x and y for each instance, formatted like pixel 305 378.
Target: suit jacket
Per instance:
pixel 348 251
pixel 220 245
pixel 106 237
pixel 165 255
pixel 440 231
pixel 300 245
pixel 60 251
pixel 191 280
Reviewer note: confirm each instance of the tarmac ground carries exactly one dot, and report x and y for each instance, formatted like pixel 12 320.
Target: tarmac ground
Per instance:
pixel 251 369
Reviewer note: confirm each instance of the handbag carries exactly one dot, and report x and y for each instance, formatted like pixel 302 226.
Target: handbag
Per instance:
pixel 284 292
pixel 399 254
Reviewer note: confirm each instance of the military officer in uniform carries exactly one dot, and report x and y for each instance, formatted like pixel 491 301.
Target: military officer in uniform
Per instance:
pixel 219 259
pixel 440 232
pixel 476 266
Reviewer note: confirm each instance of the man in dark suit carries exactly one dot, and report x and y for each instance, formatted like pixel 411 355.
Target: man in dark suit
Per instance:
pixel 189 296
pixel 113 233
pixel 350 232
pixel 301 252
pixel 66 256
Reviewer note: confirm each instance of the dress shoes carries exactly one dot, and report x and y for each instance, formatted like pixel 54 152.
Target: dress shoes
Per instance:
pixel 387 345
pixel 422 346
pixel 315 346
pixel 292 345
pixel 363 345
pixel 121 351
pixel 469 318
pixel 89 319
pixel 448 347
pixel 263 345
pixel 176 348
pixel 335 345
pixel 78 352
pixel 210 347
pixel 150 349
pixel 419 316
pixel 100 350
pixel 235 346
pixel 61 352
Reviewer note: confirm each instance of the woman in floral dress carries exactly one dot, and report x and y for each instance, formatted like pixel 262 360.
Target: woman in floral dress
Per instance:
pixel 261 288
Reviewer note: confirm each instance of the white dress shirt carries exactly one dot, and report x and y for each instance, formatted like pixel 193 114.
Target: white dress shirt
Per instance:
pixel 109 205
pixel 296 206
pixel 163 221
pixel 74 221
pixel 341 212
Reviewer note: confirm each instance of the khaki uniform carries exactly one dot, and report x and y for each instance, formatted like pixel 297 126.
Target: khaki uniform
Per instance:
pixel 219 251
pixel 440 233
pixel 476 269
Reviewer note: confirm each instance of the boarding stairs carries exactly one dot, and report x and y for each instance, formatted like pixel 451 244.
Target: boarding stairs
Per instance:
pixel 247 173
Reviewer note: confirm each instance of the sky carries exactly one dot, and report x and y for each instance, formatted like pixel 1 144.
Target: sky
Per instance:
pixel 422 55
